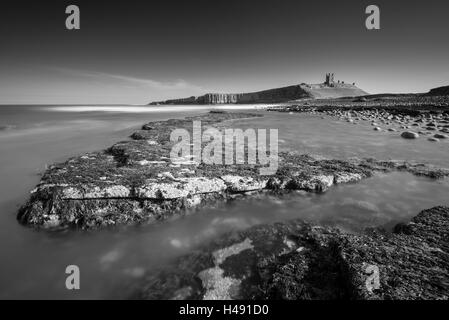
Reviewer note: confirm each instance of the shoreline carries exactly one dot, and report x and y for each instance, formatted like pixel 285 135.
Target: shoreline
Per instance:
pixel 406 105
pixel 134 181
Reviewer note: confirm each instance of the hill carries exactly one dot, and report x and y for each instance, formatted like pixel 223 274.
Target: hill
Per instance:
pixel 440 91
pixel 327 90
pixel 323 91
pixel 266 96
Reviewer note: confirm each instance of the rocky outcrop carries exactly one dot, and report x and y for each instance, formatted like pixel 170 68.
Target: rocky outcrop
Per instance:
pixel 135 181
pixel 440 91
pixel 267 96
pixel 326 90
pixel 295 260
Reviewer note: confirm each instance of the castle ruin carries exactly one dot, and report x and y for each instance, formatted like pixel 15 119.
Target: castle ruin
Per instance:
pixel 277 95
pixel 329 80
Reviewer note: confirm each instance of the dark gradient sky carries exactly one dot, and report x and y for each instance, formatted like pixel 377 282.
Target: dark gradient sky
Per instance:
pixel 140 51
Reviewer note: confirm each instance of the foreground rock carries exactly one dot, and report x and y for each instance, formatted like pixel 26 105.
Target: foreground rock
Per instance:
pixel 134 181
pixel 295 260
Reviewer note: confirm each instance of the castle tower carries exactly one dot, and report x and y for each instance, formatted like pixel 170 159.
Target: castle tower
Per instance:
pixel 329 80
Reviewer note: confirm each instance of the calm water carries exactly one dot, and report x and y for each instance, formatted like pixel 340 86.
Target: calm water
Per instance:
pixel 111 262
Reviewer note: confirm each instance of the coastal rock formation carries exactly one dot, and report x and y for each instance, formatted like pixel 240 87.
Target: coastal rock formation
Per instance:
pixel 266 96
pixel 419 115
pixel 135 181
pixel 397 104
pixel 328 89
pixel 440 91
pixel 295 260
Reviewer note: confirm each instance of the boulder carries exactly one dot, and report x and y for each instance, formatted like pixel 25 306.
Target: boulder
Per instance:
pixel 410 135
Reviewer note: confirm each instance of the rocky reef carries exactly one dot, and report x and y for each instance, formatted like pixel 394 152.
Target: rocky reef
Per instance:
pixel 296 260
pixel 403 104
pixel 134 181
pixel 414 115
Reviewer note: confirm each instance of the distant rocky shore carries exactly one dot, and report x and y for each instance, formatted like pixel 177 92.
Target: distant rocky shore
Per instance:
pixel 134 181
pixel 405 104
pixel 411 115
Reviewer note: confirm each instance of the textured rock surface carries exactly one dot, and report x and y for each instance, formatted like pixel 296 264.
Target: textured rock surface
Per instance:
pixel 295 260
pixel 134 181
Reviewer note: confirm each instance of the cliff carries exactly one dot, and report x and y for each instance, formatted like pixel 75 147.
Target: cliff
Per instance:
pixel 266 96
pixel 277 95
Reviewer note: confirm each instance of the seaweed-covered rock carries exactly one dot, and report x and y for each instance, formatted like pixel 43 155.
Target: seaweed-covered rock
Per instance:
pixel 295 260
pixel 135 181
pixel 411 263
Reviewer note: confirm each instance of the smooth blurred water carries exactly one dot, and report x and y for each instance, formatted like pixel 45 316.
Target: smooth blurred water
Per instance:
pixel 112 261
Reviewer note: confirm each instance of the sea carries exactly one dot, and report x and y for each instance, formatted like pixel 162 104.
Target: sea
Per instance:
pixel 113 262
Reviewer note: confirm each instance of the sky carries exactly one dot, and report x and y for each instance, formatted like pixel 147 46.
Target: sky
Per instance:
pixel 134 52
